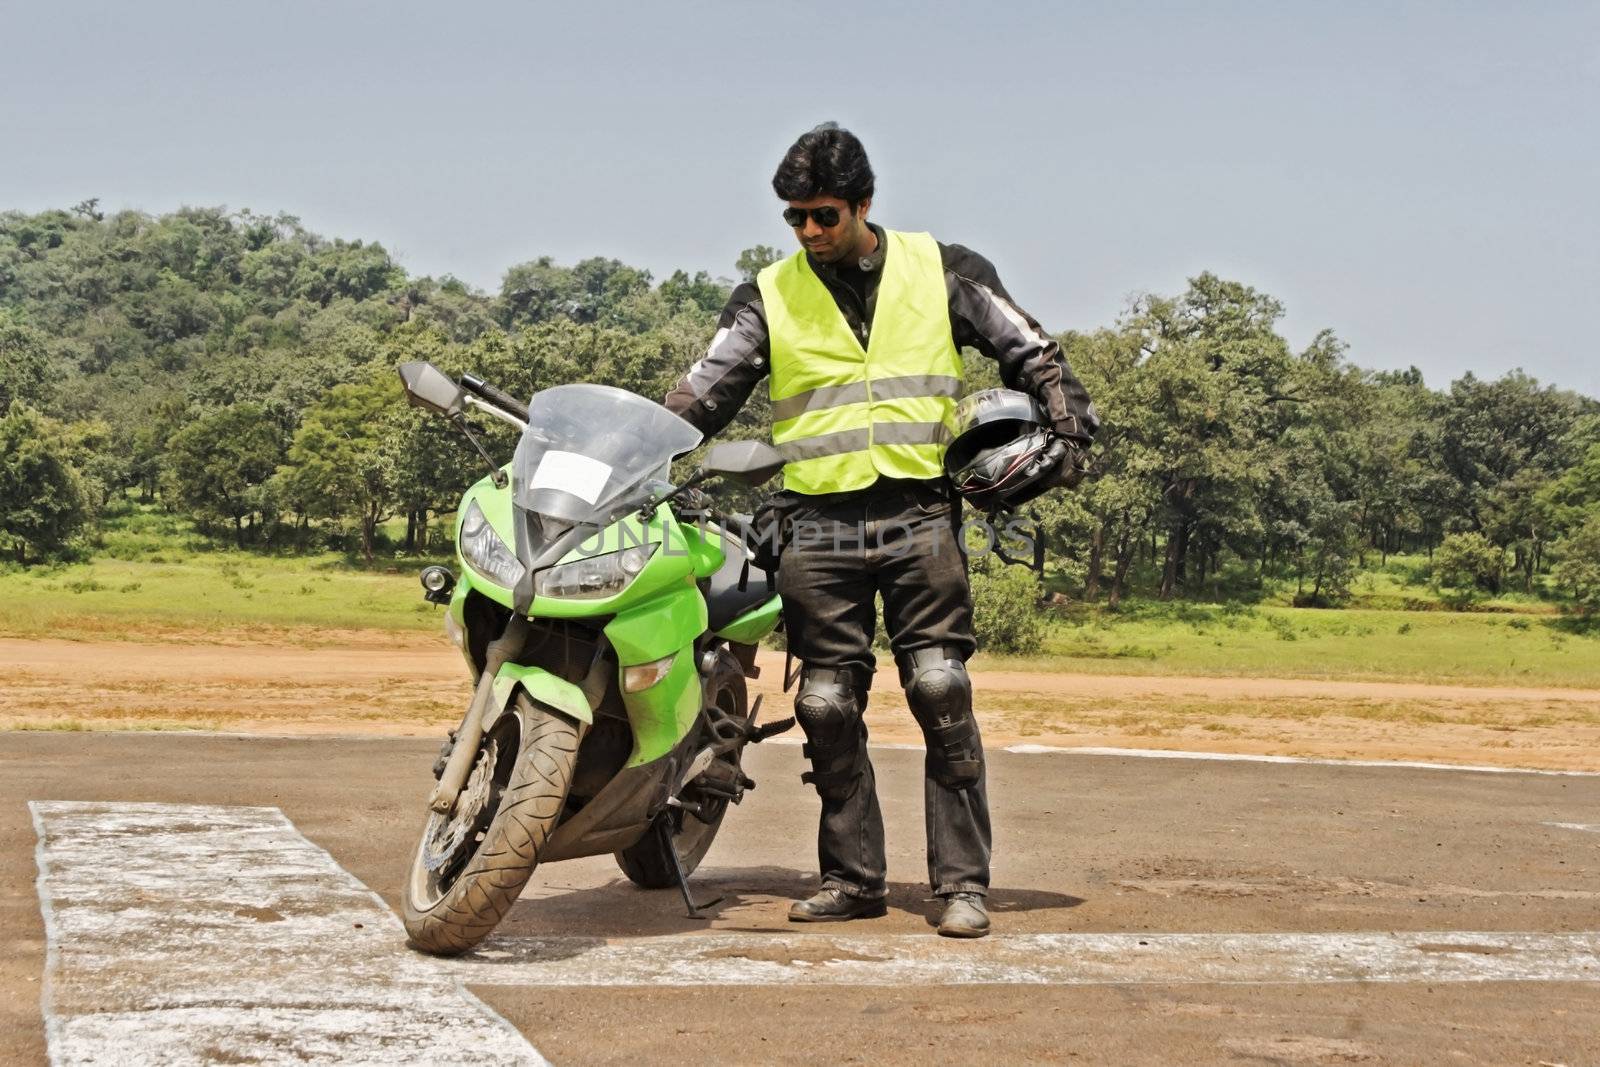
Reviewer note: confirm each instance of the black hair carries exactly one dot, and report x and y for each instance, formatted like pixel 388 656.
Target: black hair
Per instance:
pixel 825 161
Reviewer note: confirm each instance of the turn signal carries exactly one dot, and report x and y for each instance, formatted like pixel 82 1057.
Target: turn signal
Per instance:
pixel 646 674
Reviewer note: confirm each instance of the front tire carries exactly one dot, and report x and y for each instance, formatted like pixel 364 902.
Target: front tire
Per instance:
pixel 449 914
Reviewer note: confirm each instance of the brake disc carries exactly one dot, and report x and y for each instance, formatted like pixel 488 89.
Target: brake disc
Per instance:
pixel 448 834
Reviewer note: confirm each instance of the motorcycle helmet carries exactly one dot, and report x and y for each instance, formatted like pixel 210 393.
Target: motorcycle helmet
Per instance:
pixel 1001 450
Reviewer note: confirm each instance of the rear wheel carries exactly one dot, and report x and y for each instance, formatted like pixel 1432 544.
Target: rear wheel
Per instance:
pixel 470 868
pixel 646 862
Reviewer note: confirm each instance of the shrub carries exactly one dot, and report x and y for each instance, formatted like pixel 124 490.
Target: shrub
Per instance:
pixel 1465 566
pixel 1006 612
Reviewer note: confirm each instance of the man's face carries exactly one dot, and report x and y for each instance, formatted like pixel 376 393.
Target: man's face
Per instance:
pixel 831 244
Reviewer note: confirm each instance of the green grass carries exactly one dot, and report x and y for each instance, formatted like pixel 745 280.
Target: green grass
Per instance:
pixel 1394 628
pixel 152 572
pixel 1401 584
pixel 1274 641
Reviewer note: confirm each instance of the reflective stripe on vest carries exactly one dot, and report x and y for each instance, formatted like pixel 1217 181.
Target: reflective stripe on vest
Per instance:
pixel 843 416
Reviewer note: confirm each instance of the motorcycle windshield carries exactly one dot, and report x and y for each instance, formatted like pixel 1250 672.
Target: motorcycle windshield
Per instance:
pixel 587 446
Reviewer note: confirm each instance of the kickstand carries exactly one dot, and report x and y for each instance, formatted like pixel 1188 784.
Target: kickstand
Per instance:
pixel 664 835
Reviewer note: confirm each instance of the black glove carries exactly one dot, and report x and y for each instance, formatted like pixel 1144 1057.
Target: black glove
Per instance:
pixel 1071 463
pixel 767 531
pixel 693 502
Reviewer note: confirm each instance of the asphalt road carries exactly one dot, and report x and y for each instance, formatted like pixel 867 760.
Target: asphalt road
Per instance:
pixel 1085 845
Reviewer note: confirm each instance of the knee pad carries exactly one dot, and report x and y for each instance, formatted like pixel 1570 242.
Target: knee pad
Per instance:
pixel 940 696
pixel 828 706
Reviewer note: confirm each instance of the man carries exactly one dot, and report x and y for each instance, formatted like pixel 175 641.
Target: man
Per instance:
pixel 861 332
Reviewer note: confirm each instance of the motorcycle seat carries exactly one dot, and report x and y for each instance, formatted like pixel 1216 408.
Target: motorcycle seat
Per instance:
pixel 725 601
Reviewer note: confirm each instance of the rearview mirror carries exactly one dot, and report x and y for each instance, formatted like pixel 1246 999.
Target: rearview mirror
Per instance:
pixel 429 387
pixel 746 462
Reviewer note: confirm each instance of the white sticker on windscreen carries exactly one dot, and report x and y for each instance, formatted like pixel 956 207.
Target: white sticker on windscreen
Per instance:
pixel 572 472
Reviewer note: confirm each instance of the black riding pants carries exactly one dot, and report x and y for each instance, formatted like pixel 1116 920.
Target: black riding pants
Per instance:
pixel 841 555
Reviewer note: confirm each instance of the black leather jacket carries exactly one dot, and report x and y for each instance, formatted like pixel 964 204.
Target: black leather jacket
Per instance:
pixel 982 316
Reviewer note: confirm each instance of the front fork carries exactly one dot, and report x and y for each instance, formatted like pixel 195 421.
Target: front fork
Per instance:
pixel 500 676
pixel 470 733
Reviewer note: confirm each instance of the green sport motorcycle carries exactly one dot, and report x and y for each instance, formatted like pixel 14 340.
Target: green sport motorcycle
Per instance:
pixel 610 638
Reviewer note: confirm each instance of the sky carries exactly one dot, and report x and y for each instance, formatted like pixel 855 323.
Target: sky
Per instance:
pixel 1421 178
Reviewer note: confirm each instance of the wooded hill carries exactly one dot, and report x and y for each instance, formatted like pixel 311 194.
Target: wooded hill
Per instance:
pixel 240 369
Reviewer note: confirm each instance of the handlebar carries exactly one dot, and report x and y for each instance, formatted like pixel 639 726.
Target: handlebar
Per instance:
pixel 498 397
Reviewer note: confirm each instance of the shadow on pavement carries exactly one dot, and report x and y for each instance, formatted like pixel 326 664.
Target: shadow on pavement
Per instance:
pixel 754 900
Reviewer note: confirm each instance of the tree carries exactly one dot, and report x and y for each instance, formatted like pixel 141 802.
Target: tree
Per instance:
pixel 349 269
pixel 1579 569
pixel 1119 499
pixel 217 466
pixel 42 503
pixel 697 295
pixel 145 444
pixel 452 307
pixel 1467 565
pixel 1215 368
pixel 1492 430
pixel 336 467
pixel 1516 516
pixel 753 261
pixel 537 291
pixel 1399 492
pixel 1575 496
pixel 24 366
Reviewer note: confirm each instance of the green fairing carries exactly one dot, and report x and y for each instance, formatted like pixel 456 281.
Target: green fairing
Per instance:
pixel 705 554
pixel 664 713
pixel 543 687
pixel 658 627
pixel 753 625
pixel 664 626
pixel 667 613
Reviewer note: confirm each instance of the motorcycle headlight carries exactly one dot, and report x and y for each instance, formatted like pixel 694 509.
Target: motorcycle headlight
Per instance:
pixel 594 578
pixel 482 548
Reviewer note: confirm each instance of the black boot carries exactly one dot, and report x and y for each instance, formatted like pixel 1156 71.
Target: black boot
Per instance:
pixel 831 905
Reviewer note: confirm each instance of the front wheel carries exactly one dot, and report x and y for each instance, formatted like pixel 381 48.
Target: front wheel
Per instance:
pixel 470 868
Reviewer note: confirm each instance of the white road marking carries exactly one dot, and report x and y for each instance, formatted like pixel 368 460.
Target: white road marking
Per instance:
pixel 1228 757
pixel 1037 959
pixel 1241 757
pixel 1591 827
pixel 187 934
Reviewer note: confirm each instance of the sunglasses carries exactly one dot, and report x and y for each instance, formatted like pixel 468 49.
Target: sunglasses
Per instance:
pixel 826 217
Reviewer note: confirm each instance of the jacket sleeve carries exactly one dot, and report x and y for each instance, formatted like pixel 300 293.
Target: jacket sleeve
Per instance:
pixel 716 387
pixel 983 315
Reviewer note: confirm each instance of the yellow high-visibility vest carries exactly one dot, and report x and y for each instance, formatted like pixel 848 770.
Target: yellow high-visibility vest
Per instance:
pixel 843 415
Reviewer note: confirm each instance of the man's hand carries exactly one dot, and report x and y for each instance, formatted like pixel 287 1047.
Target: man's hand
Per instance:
pixel 692 501
pixel 1071 463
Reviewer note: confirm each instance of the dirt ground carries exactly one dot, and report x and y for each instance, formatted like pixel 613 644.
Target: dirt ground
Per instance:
pixel 414 685
pixel 1084 844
